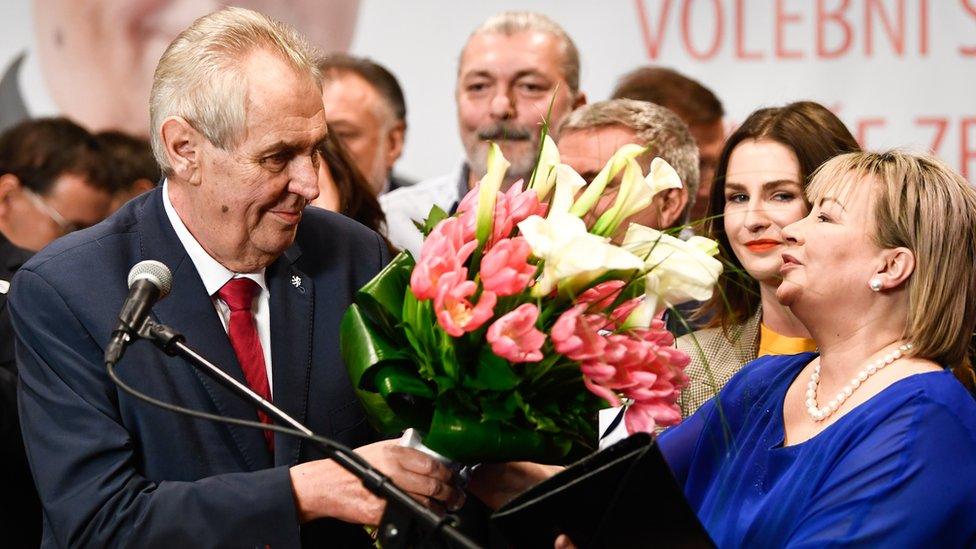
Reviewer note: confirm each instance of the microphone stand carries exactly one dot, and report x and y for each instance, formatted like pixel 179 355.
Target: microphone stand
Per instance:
pixel 404 521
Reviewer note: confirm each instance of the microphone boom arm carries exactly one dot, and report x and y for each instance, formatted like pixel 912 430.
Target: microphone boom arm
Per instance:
pixel 399 526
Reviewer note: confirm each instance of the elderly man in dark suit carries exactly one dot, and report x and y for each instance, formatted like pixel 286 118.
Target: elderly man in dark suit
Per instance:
pixel 259 287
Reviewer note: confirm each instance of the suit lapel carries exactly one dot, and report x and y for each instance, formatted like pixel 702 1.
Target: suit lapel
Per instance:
pixel 292 298
pixel 189 310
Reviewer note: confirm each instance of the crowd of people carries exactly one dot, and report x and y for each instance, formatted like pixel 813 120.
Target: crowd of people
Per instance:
pixel 268 186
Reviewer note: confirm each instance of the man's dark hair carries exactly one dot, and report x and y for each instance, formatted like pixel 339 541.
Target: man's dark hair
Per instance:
pixel 39 151
pixel 687 98
pixel 129 159
pixel 378 76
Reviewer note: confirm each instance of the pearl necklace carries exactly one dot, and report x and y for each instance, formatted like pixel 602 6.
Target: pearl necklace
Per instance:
pixel 819 414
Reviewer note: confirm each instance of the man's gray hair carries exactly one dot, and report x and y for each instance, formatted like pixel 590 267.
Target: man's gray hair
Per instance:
pixel 513 22
pixel 657 128
pixel 200 76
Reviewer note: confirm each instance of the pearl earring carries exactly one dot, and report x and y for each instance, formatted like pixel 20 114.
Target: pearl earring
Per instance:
pixel 875 284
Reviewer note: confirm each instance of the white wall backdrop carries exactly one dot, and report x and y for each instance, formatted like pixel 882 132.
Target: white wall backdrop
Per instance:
pixel 898 72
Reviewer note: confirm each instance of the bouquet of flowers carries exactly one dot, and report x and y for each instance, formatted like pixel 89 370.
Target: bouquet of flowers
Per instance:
pixel 518 323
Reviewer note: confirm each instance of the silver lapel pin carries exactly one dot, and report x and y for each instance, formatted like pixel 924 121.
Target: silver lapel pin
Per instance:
pixel 296 281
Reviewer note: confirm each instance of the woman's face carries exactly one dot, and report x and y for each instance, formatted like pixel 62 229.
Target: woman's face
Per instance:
pixel 763 194
pixel 831 255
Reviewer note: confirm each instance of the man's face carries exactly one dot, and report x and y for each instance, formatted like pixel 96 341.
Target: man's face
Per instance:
pixel 243 205
pixel 505 85
pixel 72 203
pixel 710 138
pixel 98 56
pixel 587 151
pixel 365 123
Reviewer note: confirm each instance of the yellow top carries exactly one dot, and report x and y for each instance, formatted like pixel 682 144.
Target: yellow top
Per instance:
pixel 771 343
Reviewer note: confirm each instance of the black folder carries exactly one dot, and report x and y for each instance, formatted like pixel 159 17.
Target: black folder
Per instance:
pixel 623 496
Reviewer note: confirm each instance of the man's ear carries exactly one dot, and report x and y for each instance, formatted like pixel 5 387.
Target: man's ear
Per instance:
pixel 9 187
pixel 899 264
pixel 580 100
pixel 183 145
pixel 396 136
pixel 672 204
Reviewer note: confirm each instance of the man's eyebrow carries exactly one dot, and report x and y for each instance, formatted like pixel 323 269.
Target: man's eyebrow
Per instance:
pixel 529 72
pixel 477 74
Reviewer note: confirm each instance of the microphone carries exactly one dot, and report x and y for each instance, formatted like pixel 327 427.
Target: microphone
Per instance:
pixel 149 281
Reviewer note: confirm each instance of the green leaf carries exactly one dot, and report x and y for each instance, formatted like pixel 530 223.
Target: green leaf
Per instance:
pixel 445 384
pixel 381 299
pixel 435 216
pixel 492 373
pixel 502 408
pixel 469 439
pixel 449 364
pixel 420 328
pixel 405 393
pixel 362 348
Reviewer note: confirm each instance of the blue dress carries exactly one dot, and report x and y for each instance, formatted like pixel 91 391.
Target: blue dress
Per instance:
pixel 897 471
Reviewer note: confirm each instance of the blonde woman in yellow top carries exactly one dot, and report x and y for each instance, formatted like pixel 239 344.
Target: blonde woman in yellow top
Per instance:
pixel 759 187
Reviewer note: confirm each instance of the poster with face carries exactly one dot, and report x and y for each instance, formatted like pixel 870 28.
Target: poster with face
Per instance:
pixel 93 60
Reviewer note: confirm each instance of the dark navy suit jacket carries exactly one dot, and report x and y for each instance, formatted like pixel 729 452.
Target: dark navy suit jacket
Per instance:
pixel 114 471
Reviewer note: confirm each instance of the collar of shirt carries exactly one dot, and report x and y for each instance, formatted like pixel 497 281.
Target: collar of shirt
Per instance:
pixel 214 274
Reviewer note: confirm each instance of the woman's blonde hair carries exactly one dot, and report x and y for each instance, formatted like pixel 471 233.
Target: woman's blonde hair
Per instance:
pixel 922 205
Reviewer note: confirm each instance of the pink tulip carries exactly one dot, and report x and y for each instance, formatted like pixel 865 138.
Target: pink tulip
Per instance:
pixel 602 392
pixel 455 313
pixel 514 336
pixel 511 207
pixel 505 269
pixel 523 204
pixel 602 295
pixel 576 335
pixel 444 251
pixel 646 417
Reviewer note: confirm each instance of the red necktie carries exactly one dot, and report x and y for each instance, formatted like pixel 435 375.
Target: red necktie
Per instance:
pixel 239 294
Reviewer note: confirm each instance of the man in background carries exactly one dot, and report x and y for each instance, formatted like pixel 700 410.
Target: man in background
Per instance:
pixel 591 134
pixel 512 68
pixel 700 109
pixel 365 108
pixel 132 168
pixel 51 181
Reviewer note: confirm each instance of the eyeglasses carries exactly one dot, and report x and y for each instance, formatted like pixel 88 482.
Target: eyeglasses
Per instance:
pixel 65 225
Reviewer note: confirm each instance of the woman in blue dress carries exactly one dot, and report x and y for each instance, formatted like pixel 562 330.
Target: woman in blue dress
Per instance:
pixel 871 442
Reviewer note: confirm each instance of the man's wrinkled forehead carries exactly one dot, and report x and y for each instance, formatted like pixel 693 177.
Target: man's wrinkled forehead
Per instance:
pixel 496 47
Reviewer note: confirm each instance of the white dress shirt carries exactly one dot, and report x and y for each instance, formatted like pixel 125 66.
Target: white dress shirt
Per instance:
pixel 405 205
pixel 215 275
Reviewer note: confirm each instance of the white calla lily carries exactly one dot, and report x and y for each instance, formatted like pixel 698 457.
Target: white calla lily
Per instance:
pixel 488 192
pixel 572 257
pixel 613 166
pixel 568 183
pixel 544 175
pixel 677 271
pixel 636 193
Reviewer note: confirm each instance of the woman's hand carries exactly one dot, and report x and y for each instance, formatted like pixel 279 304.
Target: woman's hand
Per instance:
pixel 498 483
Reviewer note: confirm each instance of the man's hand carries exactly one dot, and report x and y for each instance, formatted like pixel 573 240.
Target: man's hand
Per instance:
pixel 324 489
pixel 497 483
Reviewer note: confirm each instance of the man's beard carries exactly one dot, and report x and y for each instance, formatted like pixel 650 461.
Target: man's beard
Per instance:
pixel 523 162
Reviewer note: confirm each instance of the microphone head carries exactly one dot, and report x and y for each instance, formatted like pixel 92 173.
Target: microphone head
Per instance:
pixel 155 272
